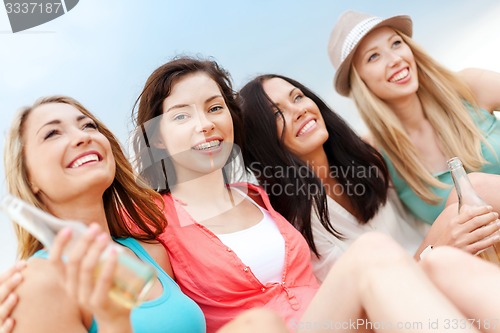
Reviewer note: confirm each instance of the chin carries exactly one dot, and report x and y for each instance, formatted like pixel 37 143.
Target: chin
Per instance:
pixel 320 139
pixel 100 183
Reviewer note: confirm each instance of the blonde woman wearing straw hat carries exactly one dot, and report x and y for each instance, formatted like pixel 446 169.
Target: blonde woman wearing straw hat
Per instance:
pixel 419 113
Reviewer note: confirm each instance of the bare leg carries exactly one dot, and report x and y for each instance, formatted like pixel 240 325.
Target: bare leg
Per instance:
pixel 255 320
pixel 378 277
pixel 472 284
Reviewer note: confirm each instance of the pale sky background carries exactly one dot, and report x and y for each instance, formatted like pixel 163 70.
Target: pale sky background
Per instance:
pixel 101 52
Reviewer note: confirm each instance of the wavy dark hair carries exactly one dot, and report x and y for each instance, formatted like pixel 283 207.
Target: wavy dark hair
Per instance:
pixel 344 149
pixel 152 163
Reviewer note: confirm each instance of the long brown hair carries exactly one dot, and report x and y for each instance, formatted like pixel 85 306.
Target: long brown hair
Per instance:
pixel 125 200
pixel 344 149
pixel 153 163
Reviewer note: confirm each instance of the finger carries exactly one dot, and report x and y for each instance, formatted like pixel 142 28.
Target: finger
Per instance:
pixel 75 258
pixel 475 230
pixel 480 221
pixel 8 286
pixel 7 307
pixel 484 232
pixel 60 242
pixel 483 243
pixel 18 267
pixel 104 281
pixel 89 266
pixel 8 299
pixel 7 326
pixel 469 212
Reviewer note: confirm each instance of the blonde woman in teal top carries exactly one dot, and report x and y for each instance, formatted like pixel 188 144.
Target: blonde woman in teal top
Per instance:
pixel 419 114
pixel 489 126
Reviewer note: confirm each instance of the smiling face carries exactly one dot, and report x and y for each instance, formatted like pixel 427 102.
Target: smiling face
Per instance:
pixel 387 66
pixel 196 127
pixel 65 155
pixel 305 131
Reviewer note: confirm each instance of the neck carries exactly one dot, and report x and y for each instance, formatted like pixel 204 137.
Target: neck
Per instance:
pixel 319 163
pixel 86 209
pixel 410 112
pixel 321 168
pixel 205 189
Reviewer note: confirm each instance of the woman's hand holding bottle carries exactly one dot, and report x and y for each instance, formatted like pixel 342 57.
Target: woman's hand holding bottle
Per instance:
pixel 89 277
pixel 474 229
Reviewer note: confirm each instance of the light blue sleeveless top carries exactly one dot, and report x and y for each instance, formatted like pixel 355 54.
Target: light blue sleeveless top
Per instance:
pixel 172 312
pixel 489 126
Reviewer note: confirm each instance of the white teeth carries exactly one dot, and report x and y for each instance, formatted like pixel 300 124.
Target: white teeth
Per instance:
pixel 84 159
pixel 307 127
pixel 207 145
pixel 401 75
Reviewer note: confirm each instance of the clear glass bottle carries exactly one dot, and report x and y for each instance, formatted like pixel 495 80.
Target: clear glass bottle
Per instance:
pixel 132 279
pixel 467 196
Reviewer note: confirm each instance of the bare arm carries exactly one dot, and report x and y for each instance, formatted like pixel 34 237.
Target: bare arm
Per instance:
pixel 485 86
pixel 44 305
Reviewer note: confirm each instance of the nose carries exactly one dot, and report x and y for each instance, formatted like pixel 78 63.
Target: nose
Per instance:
pixel 204 125
pixel 299 113
pixel 394 58
pixel 81 137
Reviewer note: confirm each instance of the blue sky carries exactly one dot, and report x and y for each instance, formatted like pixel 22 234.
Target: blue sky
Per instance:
pixel 101 52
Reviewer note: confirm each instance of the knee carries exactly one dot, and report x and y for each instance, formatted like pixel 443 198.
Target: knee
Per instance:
pixel 442 260
pixel 483 182
pixel 377 244
pixel 256 320
pixel 262 315
pixel 377 248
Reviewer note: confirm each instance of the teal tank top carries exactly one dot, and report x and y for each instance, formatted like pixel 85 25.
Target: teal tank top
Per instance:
pixel 171 312
pixel 490 128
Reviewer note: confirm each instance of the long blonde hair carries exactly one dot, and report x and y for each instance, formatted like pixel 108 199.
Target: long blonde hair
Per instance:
pixel 126 201
pixel 442 94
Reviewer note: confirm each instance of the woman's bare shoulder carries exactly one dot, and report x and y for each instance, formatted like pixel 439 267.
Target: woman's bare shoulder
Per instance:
pixel 44 304
pixel 158 252
pixel 484 85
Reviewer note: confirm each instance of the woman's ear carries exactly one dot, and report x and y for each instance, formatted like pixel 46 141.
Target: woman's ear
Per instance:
pixel 35 189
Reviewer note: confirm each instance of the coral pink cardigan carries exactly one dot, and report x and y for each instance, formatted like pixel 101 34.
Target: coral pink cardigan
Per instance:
pixel 214 277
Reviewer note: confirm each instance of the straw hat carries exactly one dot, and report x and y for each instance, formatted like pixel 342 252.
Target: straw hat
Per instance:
pixel 348 32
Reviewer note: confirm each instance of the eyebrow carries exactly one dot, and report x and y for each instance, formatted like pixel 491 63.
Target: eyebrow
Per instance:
pixel 289 95
pixel 180 106
pixel 58 122
pixel 371 49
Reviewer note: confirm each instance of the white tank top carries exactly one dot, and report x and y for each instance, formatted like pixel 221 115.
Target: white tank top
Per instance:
pixel 261 247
